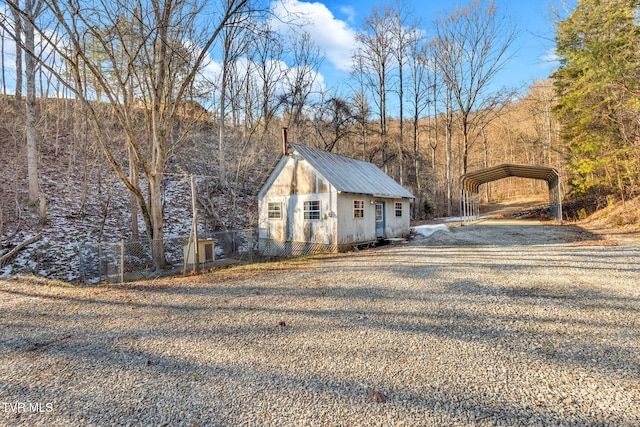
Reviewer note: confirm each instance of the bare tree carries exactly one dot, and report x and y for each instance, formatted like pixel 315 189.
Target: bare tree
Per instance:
pixel 334 122
pixel 360 102
pixel 421 80
pixel 267 58
pixel 23 32
pixel 16 32
pixel 472 46
pixel 449 121
pixel 163 64
pixel 403 36
pixel 541 98
pixel 433 134
pixel 32 10
pixel 3 75
pixel 234 44
pixel 374 58
pixel 301 76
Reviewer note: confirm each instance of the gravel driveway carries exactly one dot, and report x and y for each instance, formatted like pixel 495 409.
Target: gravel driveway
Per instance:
pixel 486 324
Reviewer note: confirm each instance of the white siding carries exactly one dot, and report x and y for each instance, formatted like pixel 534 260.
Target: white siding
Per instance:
pixel 357 230
pixel 296 183
pixel 352 230
pixel 397 226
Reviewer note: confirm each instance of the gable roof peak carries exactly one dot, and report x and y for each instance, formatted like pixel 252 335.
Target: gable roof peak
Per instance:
pixel 350 175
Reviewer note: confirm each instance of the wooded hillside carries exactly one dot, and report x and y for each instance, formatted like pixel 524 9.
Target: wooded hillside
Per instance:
pixel 86 202
pixel 119 112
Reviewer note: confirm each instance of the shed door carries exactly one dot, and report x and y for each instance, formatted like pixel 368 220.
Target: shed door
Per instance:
pixel 380 220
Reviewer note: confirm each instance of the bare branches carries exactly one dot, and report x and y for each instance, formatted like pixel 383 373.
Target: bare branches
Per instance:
pixel 142 58
pixel 471 46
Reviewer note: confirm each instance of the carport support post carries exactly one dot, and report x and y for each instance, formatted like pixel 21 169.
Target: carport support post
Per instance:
pixel 559 209
pixel 467 212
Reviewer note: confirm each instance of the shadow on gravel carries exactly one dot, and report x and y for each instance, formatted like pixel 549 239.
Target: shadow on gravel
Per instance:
pixel 563 260
pixel 283 342
pixel 154 378
pixel 496 314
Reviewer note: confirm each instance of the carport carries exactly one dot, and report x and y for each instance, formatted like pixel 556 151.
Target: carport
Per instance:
pixel 471 182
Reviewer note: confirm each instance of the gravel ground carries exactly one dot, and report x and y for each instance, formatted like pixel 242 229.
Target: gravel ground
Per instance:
pixel 487 324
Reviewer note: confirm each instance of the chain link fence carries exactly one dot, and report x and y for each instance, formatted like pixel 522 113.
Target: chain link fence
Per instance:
pixel 133 260
pixel 274 248
pixel 277 248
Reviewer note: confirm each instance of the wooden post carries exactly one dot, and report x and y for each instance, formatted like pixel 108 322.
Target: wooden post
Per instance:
pixel 122 261
pixel 100 261
pixel 196 255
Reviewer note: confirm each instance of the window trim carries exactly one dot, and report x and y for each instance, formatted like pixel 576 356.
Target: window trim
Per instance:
pixel 312 214
pixel 379 212
pixel 399 209
pixel 359 210
pixel 272 211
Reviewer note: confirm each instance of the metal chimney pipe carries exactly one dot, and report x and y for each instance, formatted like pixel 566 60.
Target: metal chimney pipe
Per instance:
pixel 285 142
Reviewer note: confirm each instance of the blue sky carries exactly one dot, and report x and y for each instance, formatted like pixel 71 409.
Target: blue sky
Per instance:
pixel 335 22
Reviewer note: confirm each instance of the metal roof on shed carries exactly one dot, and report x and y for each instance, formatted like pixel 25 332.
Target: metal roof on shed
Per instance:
pixel 350 175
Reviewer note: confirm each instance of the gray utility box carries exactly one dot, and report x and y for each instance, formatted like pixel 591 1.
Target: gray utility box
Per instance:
pixel 206 251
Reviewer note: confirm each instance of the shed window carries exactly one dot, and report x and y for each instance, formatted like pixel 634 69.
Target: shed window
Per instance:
pixel 398 209
pixel 358 208
pixel 312 209
pixel 275 210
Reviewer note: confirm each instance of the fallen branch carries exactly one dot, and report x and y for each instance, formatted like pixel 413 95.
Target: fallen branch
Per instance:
pixel 18 248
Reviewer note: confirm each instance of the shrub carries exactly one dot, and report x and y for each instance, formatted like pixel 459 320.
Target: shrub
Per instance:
pixel 582 214
pixel 428 209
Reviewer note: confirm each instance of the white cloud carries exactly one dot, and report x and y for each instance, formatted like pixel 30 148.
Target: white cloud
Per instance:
pixel 350 12
pixel 333 36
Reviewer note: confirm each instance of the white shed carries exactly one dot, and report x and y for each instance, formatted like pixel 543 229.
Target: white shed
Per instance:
pixel 314 200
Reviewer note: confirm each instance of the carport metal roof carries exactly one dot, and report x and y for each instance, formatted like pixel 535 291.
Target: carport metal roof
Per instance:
pixel 471 182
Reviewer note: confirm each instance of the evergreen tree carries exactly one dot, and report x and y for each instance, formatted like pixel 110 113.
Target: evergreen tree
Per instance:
pixel 598 88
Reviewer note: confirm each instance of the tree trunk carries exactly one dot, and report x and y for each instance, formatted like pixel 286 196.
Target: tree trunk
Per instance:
pixel 401 142
pixel 1 224
pixel 223 101
pixel 433 142
pixel 2 67
pixel 157 221
pixel 465 152
pixel 18 35
pixel 135 181
pixel 416 152
pixel 383 118
pixel 485 143
pixel 449 129
pixel 448 142
pixel 32 119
